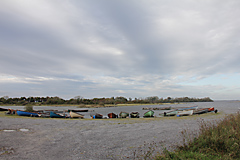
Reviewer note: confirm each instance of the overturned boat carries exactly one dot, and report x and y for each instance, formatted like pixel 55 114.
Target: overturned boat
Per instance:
pixel 134 115
pixel 149 113
pixel 25 113
pixel 75 115
pixel 123 114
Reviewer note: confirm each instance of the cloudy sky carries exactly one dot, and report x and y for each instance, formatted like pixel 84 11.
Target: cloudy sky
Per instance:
pixel 130 48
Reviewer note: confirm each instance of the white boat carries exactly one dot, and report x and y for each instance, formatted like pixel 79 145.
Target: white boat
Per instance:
pixel 75 115
pixel 185 113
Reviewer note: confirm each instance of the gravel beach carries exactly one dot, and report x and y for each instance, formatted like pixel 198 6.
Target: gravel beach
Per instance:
pixel 43 138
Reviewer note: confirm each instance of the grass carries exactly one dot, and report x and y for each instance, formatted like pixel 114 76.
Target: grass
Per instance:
pixel 216 140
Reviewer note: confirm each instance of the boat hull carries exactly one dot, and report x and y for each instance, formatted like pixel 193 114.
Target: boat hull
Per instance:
pixel 201 111
pixel 149 114
pixel 185 113
pixel 75 115
pixel 123 114
pixel 97 116
pixel 112 115
pixel 55 115
pixel 24 113
pixel 134 115
pixel 171 113
pixel 81 110
pixel 3 109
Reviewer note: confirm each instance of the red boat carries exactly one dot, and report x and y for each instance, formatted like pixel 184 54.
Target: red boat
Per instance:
pixel 112 115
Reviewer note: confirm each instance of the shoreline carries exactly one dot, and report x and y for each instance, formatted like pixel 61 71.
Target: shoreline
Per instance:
pixel 96 139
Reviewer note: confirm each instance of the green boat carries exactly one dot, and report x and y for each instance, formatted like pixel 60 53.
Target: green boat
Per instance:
pixel 123 114
pixel 148 114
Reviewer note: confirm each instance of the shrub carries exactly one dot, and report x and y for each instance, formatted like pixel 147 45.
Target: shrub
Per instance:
pixel 28 108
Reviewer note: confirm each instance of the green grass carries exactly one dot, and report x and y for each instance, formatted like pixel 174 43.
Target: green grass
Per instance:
pixel 216 140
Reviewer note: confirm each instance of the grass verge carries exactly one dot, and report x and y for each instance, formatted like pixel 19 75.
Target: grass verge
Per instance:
pixel 216 140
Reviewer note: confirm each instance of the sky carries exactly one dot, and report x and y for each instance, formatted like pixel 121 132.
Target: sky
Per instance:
pixel 129 48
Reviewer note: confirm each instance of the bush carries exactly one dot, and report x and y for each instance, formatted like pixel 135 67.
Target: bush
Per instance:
pixel 28 108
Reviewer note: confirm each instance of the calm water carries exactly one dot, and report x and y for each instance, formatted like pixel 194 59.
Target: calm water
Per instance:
pixel 224 106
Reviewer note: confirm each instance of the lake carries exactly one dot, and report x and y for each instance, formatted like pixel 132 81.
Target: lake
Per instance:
pixel 221 106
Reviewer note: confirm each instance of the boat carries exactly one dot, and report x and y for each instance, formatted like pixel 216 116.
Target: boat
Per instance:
pixel 97 116
pixel 162 108
pixel 185 113
pixel 75 115
pixel 134 115
pixel 56 115
pixel 201 111
pixel 171 113
pixel 157 108
pixel 79 110
pixel 188 108
pixel 25 113
pixel 112 115
pixel 123 114
pixel 11 111
pixel 3 109
pixel 210 109
pixel 149 113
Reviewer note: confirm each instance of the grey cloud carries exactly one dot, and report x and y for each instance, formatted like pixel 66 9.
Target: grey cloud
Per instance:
pixel 75 40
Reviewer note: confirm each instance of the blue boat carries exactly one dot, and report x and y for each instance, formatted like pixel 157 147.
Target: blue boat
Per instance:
pixel 55 115
pixel 24 113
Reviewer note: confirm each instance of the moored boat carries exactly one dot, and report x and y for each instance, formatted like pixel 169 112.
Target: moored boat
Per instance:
pixel 123 114
pixel 75 115
pixel 134 115
pixel 56 115
pixel 112 115
pixel 25 113
pixel 149 113
pixel 185 113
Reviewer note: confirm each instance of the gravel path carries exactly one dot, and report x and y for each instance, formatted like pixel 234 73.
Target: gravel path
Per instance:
pixel 91 139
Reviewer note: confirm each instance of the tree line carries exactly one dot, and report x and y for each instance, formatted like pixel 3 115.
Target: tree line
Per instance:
pixel 22 101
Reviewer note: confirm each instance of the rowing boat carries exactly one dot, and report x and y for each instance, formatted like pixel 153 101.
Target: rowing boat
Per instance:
pixel 75 115
pixel 25 113
pixel 148 114
pixel 56 115
pixel 3 109
pixel 134 115
pixel 171 113
pixel 112 115
pixel 79 110
pixel 185 113
pixel 201 111
pixel 97 116
pixel 123 114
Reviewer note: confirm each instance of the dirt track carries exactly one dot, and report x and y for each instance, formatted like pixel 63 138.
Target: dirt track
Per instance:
pixel 90 139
